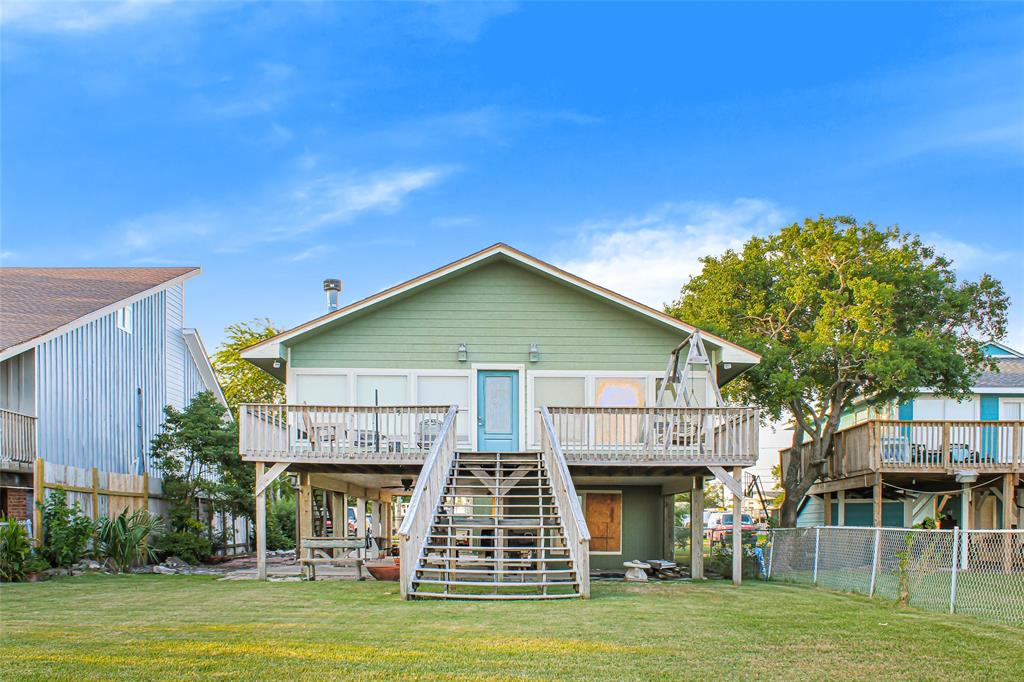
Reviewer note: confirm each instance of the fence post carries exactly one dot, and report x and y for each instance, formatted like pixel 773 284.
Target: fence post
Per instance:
pixel 952 575
pixel 817 542
pixel 771 555
pixel 874 562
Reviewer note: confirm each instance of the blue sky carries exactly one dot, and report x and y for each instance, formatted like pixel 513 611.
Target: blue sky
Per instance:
pixel 278 144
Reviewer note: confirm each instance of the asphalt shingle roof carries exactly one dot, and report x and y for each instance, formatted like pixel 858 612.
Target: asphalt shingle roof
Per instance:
pixel 1010 375
pixel 34 301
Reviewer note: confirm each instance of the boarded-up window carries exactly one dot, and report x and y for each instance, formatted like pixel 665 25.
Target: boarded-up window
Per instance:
pixel 603 512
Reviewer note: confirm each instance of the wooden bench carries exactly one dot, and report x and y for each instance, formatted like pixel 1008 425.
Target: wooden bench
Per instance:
pixel 312 547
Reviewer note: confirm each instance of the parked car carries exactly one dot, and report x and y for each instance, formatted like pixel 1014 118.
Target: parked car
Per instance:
pixel 719 525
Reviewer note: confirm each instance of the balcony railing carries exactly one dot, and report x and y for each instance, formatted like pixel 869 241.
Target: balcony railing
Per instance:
pixel 385 434
pixel 725 436
pixel 17 437
pixel 926 446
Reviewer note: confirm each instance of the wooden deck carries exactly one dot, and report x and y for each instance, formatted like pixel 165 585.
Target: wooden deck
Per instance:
pixel 17 440
pixel 589 436
pixel 925 447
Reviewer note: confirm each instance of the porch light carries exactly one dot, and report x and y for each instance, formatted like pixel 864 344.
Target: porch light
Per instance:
pixel 534 353
pixel 463 353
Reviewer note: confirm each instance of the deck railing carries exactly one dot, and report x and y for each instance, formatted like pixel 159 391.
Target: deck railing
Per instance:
pixel 574 525
pixel 936 446
pixel 649 435
pixel 17 437
pixel 419 516
pixel 384 434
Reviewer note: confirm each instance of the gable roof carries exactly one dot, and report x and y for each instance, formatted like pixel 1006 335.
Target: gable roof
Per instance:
pixel 1000 350
pixel 1010 375
pixel 36 303
pixel 271 348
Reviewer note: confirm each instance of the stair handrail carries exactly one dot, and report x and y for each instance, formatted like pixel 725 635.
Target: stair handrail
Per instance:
pixel 430 484
pixel 574 524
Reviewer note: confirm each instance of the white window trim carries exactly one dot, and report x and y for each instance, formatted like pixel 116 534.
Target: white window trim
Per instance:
pixel 125 319
pixel 1015 400
pixel 622 517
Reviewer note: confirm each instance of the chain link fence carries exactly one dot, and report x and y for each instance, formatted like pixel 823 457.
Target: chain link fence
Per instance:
pixel 977 572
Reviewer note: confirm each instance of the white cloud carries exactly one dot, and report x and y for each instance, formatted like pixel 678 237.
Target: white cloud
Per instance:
pixel 649 257
pixel 76 17
pixel 464 21
pixel 276 216
pixel 311 252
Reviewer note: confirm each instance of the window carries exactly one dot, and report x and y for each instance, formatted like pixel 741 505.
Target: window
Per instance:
pixel 124 319
pixel 943 409
pixel 603 512
pixel 1011 409
pixel 617 392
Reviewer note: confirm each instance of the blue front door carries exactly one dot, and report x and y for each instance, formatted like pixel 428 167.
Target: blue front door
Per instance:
pixel 497 411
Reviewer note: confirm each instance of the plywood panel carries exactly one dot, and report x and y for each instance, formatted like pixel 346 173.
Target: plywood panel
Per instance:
pixel 604 519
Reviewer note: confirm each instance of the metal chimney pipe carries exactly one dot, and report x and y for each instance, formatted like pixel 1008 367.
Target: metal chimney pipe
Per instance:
pixel 333 289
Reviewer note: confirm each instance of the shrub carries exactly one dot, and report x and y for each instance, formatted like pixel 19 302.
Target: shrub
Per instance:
pixel 15 549
pixel 720 561
pixel 281 524
pixel 66 530
pixel 189 544
pixel 123 539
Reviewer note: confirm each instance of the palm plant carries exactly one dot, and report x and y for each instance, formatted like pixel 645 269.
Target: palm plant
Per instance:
pixel 14 550
pixel 124 539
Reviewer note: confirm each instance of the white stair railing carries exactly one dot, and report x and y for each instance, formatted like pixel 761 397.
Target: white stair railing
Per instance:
pixel 574 525
pixel 419 518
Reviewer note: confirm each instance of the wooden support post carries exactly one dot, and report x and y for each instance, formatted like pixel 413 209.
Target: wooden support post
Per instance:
pixel 668 503
pixel 1009 503
pixel 38 490
pixel 361 518
pixel 828 509
pixel 304 518
pixel 95 494
pixel 261 527
pixel 145 490
pixel 876 502
pixel 697 528
pixel 841 495
pixel 737 531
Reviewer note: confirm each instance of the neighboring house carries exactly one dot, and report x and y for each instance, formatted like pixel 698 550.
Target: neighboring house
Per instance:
pixel 930 457
pixel 89 357
pixel 537 391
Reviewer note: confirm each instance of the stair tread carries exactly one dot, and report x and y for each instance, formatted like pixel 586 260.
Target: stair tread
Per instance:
pixel 493 583
pixel 493 597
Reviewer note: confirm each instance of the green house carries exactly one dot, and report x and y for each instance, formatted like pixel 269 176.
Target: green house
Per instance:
pixel 506 420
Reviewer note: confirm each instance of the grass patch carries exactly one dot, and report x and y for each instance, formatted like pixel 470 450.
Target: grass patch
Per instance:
pixel 179 627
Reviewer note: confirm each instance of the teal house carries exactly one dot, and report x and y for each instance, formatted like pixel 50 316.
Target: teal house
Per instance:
pixel 508 425
pixel 932 457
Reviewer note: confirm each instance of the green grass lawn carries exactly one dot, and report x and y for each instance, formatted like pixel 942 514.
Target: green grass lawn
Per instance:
pixel 179 627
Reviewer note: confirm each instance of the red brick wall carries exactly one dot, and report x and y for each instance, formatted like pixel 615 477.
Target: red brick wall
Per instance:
pixel 17 503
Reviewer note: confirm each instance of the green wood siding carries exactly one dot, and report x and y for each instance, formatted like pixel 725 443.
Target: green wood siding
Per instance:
pixel 497 310
pixel 642 520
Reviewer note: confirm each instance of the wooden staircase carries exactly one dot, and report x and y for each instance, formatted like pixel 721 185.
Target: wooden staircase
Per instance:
pixel 497 533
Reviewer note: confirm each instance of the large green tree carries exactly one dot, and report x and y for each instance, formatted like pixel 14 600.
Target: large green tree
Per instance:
pixel 196 453
pixel 842 312
pixel 241 380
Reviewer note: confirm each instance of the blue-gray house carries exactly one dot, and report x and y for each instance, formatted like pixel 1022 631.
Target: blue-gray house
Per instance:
pixel 931 457
pixel 89 357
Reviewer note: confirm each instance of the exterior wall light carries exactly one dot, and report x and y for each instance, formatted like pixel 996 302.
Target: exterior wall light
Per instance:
pixel 534 353
pixel 463 353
